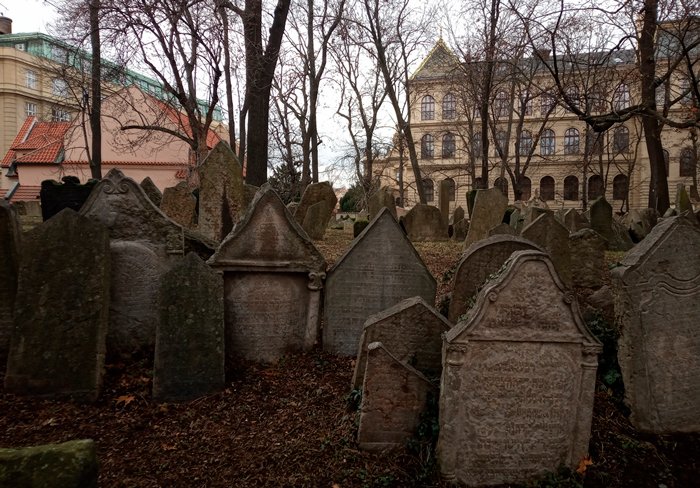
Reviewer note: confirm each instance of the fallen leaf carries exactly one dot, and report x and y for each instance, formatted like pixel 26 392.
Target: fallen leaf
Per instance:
pixel 125 399
pixel 583 465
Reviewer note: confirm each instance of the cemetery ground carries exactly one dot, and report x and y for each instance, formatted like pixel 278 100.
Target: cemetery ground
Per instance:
pixel 294 424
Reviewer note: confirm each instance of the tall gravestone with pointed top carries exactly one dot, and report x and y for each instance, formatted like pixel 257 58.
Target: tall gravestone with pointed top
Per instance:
pixel 380 269
pixel 489 207
pixel 548 233
pixel 313 195
pixel 273 276
pixel 9 250
pixel 152 191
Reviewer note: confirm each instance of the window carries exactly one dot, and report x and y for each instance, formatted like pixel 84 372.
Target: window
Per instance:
pixel 501 143
pixel 448 146
pixel 31 79
pixel 476 145
pixel 20 46
pixel 525 188
pixel 547 188
pixel 427 147
pixel 525 143
pixel 594 143
pixel 59 115
pixel 429 189
pixel 685 92
pixel 30 109
pixel 571 188
pixel 595 187
pixel 687 162
pixel 571 141
pixel 547 103
pixel 621 140
pixel 621 99
pixel 449 107
pixel 502 184
pixel 620 187
pixel 427 108
pixel 59 54
pixel 59 87
pixel 502 107
pixel 448 186
pixel 547 142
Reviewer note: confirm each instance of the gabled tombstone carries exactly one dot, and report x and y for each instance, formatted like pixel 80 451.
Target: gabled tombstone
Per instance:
pixel 394 397
pixel 220 192
pixel 425 223
pixel 489 207
pixel 548 233
pixel 478 262
pixel 658 307
pixel 411 330
pixel 180 205
pixel 518 379
pixel 58 342
pixel 152 191
pixel 144 243
pixel 380 269
pixel 9 264
pixel 273 276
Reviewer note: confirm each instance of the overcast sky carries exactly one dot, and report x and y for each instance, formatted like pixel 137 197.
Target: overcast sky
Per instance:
pixel 27 15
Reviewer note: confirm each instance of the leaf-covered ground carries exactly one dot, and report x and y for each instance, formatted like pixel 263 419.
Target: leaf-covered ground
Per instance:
pixel 294 424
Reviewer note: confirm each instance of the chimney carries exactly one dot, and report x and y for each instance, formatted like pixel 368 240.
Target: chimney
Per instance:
pixel 5 25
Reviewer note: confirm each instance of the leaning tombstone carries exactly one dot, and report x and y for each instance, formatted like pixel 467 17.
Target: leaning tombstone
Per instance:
pixel 316 220
pixel 380 199
pixel 180 204
pixel 380 269
pixel 314 193
pixel 9 250
pixel 657 307
pixel 602 222
pixel 518 379
pixel 152 191
pixel 548 233
pixel 489 207
pixel 587 258
pixel 273 276
pixel 411 330
pixel 144 243
pixel 425 223
pixel 56 196
pixel 189 357
pixel 58 343
pixel 481 260
pixel 394 397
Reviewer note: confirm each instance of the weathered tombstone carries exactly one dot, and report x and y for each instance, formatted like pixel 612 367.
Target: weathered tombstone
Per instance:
pixel 144 243
pixel 587 258
pixel 602 222
pixel 152 191
pixel 72 464
pixel 516 220
pixel 574 220
pixel 489 207
pixel 348 226
pixel 553 237
pixel 221 203
pixel 682 199
pixel 425 223
pixel 358 226
pixel 481 260
pixel 380 269
pixel 380 199
pixel 316 220
pixel 394 397
pixel 9 250
pixel 179 204
pixel 657 306
pixel 56 196
pixel 518 378
pixel 314 193
pixel 28 213
pixel 471 198
pixel 58 342
pixel 189 357
pixel 502 229
pixel 444 198
pixel 640 222
pixel 411 330
pixel 273 275
pixel 460 229
pixel 457 215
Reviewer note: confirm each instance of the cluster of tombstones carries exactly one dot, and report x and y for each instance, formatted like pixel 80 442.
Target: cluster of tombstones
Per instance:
pixel 515 361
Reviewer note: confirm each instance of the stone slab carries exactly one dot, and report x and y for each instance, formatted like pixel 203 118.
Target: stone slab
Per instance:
pixel 489 207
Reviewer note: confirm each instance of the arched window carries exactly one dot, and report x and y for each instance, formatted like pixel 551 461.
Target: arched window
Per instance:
pixel 621 140
pixel 448 146
pixel 687 162
pixel 667 159
pixel 429 189
pixel 525 142
pixel 449 107
pixel 571 141
pixel 547 142
pixel 502 108
pixel 427 108
pixel 620 187
pixel 594 142
pixel 525 188
pixel 621 98
pixel 502 184
pixel 501 143
pixel 448 186
pixel 427 146
pixel 595 187
pixel 571 188
pixel 476 145
pixel 547 188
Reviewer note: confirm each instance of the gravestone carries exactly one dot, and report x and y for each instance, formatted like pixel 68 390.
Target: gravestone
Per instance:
pixel 460 229
pixel 518 379
pixel 380 269
pixel 411 330
pixel 273 275
pixel 574 220
pixel 358 226
pixel 380 199
pixel 28 214
pixel 394 397
pixel 489 207
pixel 532 210
pixel 457 215
pixel 587 258
pixel 9 250
pixel 444 199
pixel 189 357
pixel 221 203
pixel 179 204
pixel 144 243
pixel 425 223
pixel 152 191
pixel 58 342
pixel 56 196
pixel 682 199
pixel 502 229
pixel 553 237
pixel 316 220
pixel 314 193
pixel 657 306
pixel 640 222
pixel 481 260
pixel 602 222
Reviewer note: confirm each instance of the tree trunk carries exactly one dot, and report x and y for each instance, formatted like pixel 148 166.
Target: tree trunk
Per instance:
pixel 227 76
pixel 258 118
pixel 96 89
